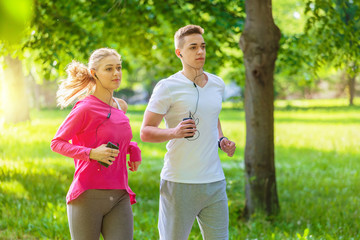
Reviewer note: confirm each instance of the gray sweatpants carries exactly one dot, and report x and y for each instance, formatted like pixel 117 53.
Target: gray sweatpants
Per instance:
pixel 181 203
pixel 101 211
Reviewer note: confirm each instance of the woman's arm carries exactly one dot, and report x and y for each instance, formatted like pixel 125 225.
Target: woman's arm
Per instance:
pixel 67 130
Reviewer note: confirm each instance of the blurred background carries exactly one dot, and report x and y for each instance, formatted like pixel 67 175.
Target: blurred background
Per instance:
pixel 316 89
pixel 318 56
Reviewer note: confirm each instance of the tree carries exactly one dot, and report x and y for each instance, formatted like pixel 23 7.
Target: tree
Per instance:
pixel 14 16
pixel 14 94
pixel 142 31
pixel 260 43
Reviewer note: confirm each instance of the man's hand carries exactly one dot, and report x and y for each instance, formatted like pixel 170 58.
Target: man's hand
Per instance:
pixel 185 128
pixel 228 146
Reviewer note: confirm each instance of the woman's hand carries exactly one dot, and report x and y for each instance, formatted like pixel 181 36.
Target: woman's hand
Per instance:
pixel 104 154
pixel 133 166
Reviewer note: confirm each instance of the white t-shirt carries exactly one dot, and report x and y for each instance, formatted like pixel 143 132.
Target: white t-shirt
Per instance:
pixel 194 161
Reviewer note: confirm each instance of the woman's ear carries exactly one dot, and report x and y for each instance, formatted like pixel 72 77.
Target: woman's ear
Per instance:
pixel 93 74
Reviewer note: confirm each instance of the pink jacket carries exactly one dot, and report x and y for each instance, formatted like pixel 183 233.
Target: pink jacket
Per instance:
pixel 87 126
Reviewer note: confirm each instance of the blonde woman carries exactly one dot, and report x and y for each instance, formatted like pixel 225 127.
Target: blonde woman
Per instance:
pixel 99 199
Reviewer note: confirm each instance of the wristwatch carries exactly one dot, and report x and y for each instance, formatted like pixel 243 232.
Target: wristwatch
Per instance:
pixel 219 141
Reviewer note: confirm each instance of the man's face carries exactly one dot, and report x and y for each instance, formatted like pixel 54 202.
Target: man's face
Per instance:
pixel 193 51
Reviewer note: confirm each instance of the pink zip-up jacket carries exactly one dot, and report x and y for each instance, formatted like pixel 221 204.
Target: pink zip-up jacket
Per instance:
pixel 87 126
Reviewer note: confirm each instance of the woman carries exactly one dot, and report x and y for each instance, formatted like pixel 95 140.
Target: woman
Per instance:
pixel 99 199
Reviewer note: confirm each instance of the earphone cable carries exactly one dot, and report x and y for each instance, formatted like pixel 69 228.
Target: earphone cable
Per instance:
pixel 109 114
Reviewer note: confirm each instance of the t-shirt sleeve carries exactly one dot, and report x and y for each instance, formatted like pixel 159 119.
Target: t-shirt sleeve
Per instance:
pixel 160 100
pixel 71 126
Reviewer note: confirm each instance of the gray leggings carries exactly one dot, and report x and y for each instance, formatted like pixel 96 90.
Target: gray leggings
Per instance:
pixel 101 211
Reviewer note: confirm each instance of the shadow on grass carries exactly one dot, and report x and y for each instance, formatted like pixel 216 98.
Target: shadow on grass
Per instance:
pixel 33 200
pixel 289 108
pixel 345 120
pixel 317 191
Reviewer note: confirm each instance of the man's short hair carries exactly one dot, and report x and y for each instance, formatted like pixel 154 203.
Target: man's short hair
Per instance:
pixel 185 31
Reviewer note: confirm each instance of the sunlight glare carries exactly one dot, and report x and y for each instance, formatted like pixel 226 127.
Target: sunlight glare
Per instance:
pixel 14 188
pixel 296 15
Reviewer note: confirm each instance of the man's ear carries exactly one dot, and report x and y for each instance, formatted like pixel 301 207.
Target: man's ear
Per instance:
pixel 177 52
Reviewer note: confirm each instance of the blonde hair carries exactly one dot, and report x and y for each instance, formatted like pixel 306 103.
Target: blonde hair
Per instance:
pixel 185 31
pixel 79 82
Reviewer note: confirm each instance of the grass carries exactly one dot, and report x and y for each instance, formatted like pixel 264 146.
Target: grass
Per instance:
pixel 317 154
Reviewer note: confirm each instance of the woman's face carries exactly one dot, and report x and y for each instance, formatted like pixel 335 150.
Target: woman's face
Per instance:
pixel 109 72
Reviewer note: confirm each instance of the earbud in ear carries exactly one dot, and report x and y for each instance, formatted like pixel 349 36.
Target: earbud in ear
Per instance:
pixel 180 55
pixel 96 76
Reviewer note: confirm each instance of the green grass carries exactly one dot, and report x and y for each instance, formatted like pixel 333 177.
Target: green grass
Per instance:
pixel 317 152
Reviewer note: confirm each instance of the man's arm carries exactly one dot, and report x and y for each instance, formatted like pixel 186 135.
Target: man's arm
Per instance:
pixel 150 131
pixel 219 129
pixel 226 145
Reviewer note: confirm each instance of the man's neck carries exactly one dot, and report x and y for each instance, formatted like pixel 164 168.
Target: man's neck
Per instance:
pixel 193 74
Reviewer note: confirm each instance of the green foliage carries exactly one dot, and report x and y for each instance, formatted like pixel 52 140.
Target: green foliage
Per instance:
pixel 293 72
pixel 288 16
pixel 317 170
pixel 329 38
pixel 142 31
pixel 335 25
pixel 14 16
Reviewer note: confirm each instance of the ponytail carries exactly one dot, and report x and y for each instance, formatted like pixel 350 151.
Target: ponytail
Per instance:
pixel 77 85
pixel 79 82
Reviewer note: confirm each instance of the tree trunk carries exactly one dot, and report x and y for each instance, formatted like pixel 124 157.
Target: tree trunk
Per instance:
pixel 260 43
pixel 351 84
pixel 14 95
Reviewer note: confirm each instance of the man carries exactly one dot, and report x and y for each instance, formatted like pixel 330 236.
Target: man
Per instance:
pixel 192 180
